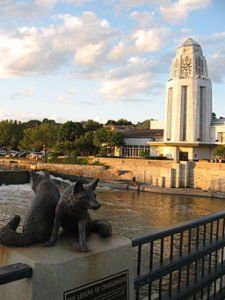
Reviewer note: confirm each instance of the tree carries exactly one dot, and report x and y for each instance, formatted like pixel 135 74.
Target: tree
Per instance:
pixel 70 131
pixel 106 139
pixel 37 138
pixel 65 148
pixel 220 151
pixel 85 144
pixel 121 122
pixel 91 125
pixel 11 132
pixel 32 124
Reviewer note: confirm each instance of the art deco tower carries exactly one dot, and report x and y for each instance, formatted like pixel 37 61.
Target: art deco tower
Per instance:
pixel 188 97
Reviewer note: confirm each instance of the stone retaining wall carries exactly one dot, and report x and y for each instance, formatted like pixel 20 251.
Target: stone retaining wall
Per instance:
pixel 208 176
pixel 199 175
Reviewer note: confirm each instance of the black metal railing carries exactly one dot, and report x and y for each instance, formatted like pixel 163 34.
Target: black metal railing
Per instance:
pixel 14 272
pixel 182 262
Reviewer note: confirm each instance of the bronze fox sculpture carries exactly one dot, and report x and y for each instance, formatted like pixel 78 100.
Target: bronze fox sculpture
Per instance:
pixel 72 215
pixel 38 222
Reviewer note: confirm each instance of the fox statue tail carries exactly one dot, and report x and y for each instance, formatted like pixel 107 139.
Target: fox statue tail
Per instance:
pixel 9 236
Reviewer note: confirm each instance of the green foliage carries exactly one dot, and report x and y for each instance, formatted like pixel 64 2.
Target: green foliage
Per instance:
pixel 220 151
pixel 144 154
pixel 121 122
pixel 91 125
pixel 69 139
pixel 11 132
pixel 105 140
pixel 70 131
pixel 36 138
pixel 64 148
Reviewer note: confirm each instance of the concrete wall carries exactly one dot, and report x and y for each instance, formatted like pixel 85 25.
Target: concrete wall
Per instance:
pixel 199 175
pixel 208 176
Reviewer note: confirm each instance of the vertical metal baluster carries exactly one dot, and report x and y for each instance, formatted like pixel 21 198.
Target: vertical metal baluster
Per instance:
pixel 221 283
pixel 189 241
pixel 204 236
pixel 138 269
pixel 202 293
pixel 150 267
pixel 179 279
pixel 196 270
pixel 139 260
pixel 210 261
pixel 181 244
pixel 223 227
pixel 208 292
pixel 161 262
pixel 217 229
pixel 214 289
pixel 197 238
pixel 188 275
pixel 171 258
pixel 161 251
pixel 216 260
pixel 160 288
pixel 211 232
pixel 203 266
pixel 222 255
pixel 180 254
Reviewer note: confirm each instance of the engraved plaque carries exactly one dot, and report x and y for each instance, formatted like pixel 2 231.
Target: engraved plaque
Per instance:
pixel 114 287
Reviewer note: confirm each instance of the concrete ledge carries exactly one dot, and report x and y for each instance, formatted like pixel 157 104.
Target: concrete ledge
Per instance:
pixel 62 268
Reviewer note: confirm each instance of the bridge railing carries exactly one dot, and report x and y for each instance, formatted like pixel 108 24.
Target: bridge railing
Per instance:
pixel 182 262
pixel 14 272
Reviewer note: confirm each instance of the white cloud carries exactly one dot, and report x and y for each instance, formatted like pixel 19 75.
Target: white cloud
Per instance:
pixel 88 54
pixel 28 9
pixel 179 10
pixel 131 81
pixel 32 50
pixel 143 18
pixel 29 92
pixel 26 116
pixel 151 39
pixel 120 5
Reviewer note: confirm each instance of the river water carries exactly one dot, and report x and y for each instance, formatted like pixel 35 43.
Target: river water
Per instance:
pixel 132 214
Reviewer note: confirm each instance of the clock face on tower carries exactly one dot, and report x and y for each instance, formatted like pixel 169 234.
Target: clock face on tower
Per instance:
pixel 186 66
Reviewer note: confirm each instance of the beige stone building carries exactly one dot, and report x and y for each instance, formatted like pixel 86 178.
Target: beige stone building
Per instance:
pixel 190 132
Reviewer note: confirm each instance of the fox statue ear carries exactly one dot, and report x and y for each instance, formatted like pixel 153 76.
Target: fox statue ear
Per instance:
pixel 94 184
pixel 78 187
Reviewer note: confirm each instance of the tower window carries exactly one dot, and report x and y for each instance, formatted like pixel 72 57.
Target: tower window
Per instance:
pixel 183 113
pixel 169 113
pixel 201 99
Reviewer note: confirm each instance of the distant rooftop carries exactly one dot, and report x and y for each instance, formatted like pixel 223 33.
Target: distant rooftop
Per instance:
pixel 143 133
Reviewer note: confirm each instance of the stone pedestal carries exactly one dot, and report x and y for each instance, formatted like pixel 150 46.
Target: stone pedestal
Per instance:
pixel 61 272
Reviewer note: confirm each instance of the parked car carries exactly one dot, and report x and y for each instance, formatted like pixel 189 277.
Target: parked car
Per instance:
pixel 23 153
pixel 36 155
pixel 2 152
pixel 11 153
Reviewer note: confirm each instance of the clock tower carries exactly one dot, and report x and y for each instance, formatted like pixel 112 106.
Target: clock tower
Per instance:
pixel 188 97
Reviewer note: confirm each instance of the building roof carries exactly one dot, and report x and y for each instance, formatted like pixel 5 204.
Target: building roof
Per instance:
pixel 143 133
pixel 190 42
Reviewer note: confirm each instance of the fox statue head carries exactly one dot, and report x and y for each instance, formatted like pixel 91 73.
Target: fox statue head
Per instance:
pixel 85 197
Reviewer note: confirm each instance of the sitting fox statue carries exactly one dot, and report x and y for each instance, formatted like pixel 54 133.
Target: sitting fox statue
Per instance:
pixel 38 222
pixel 71 214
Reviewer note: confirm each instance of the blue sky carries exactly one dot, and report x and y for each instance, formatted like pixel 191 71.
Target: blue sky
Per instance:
pixel 105 59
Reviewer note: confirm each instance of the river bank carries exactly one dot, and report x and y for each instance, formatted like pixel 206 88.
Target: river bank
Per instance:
pixel 108 177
